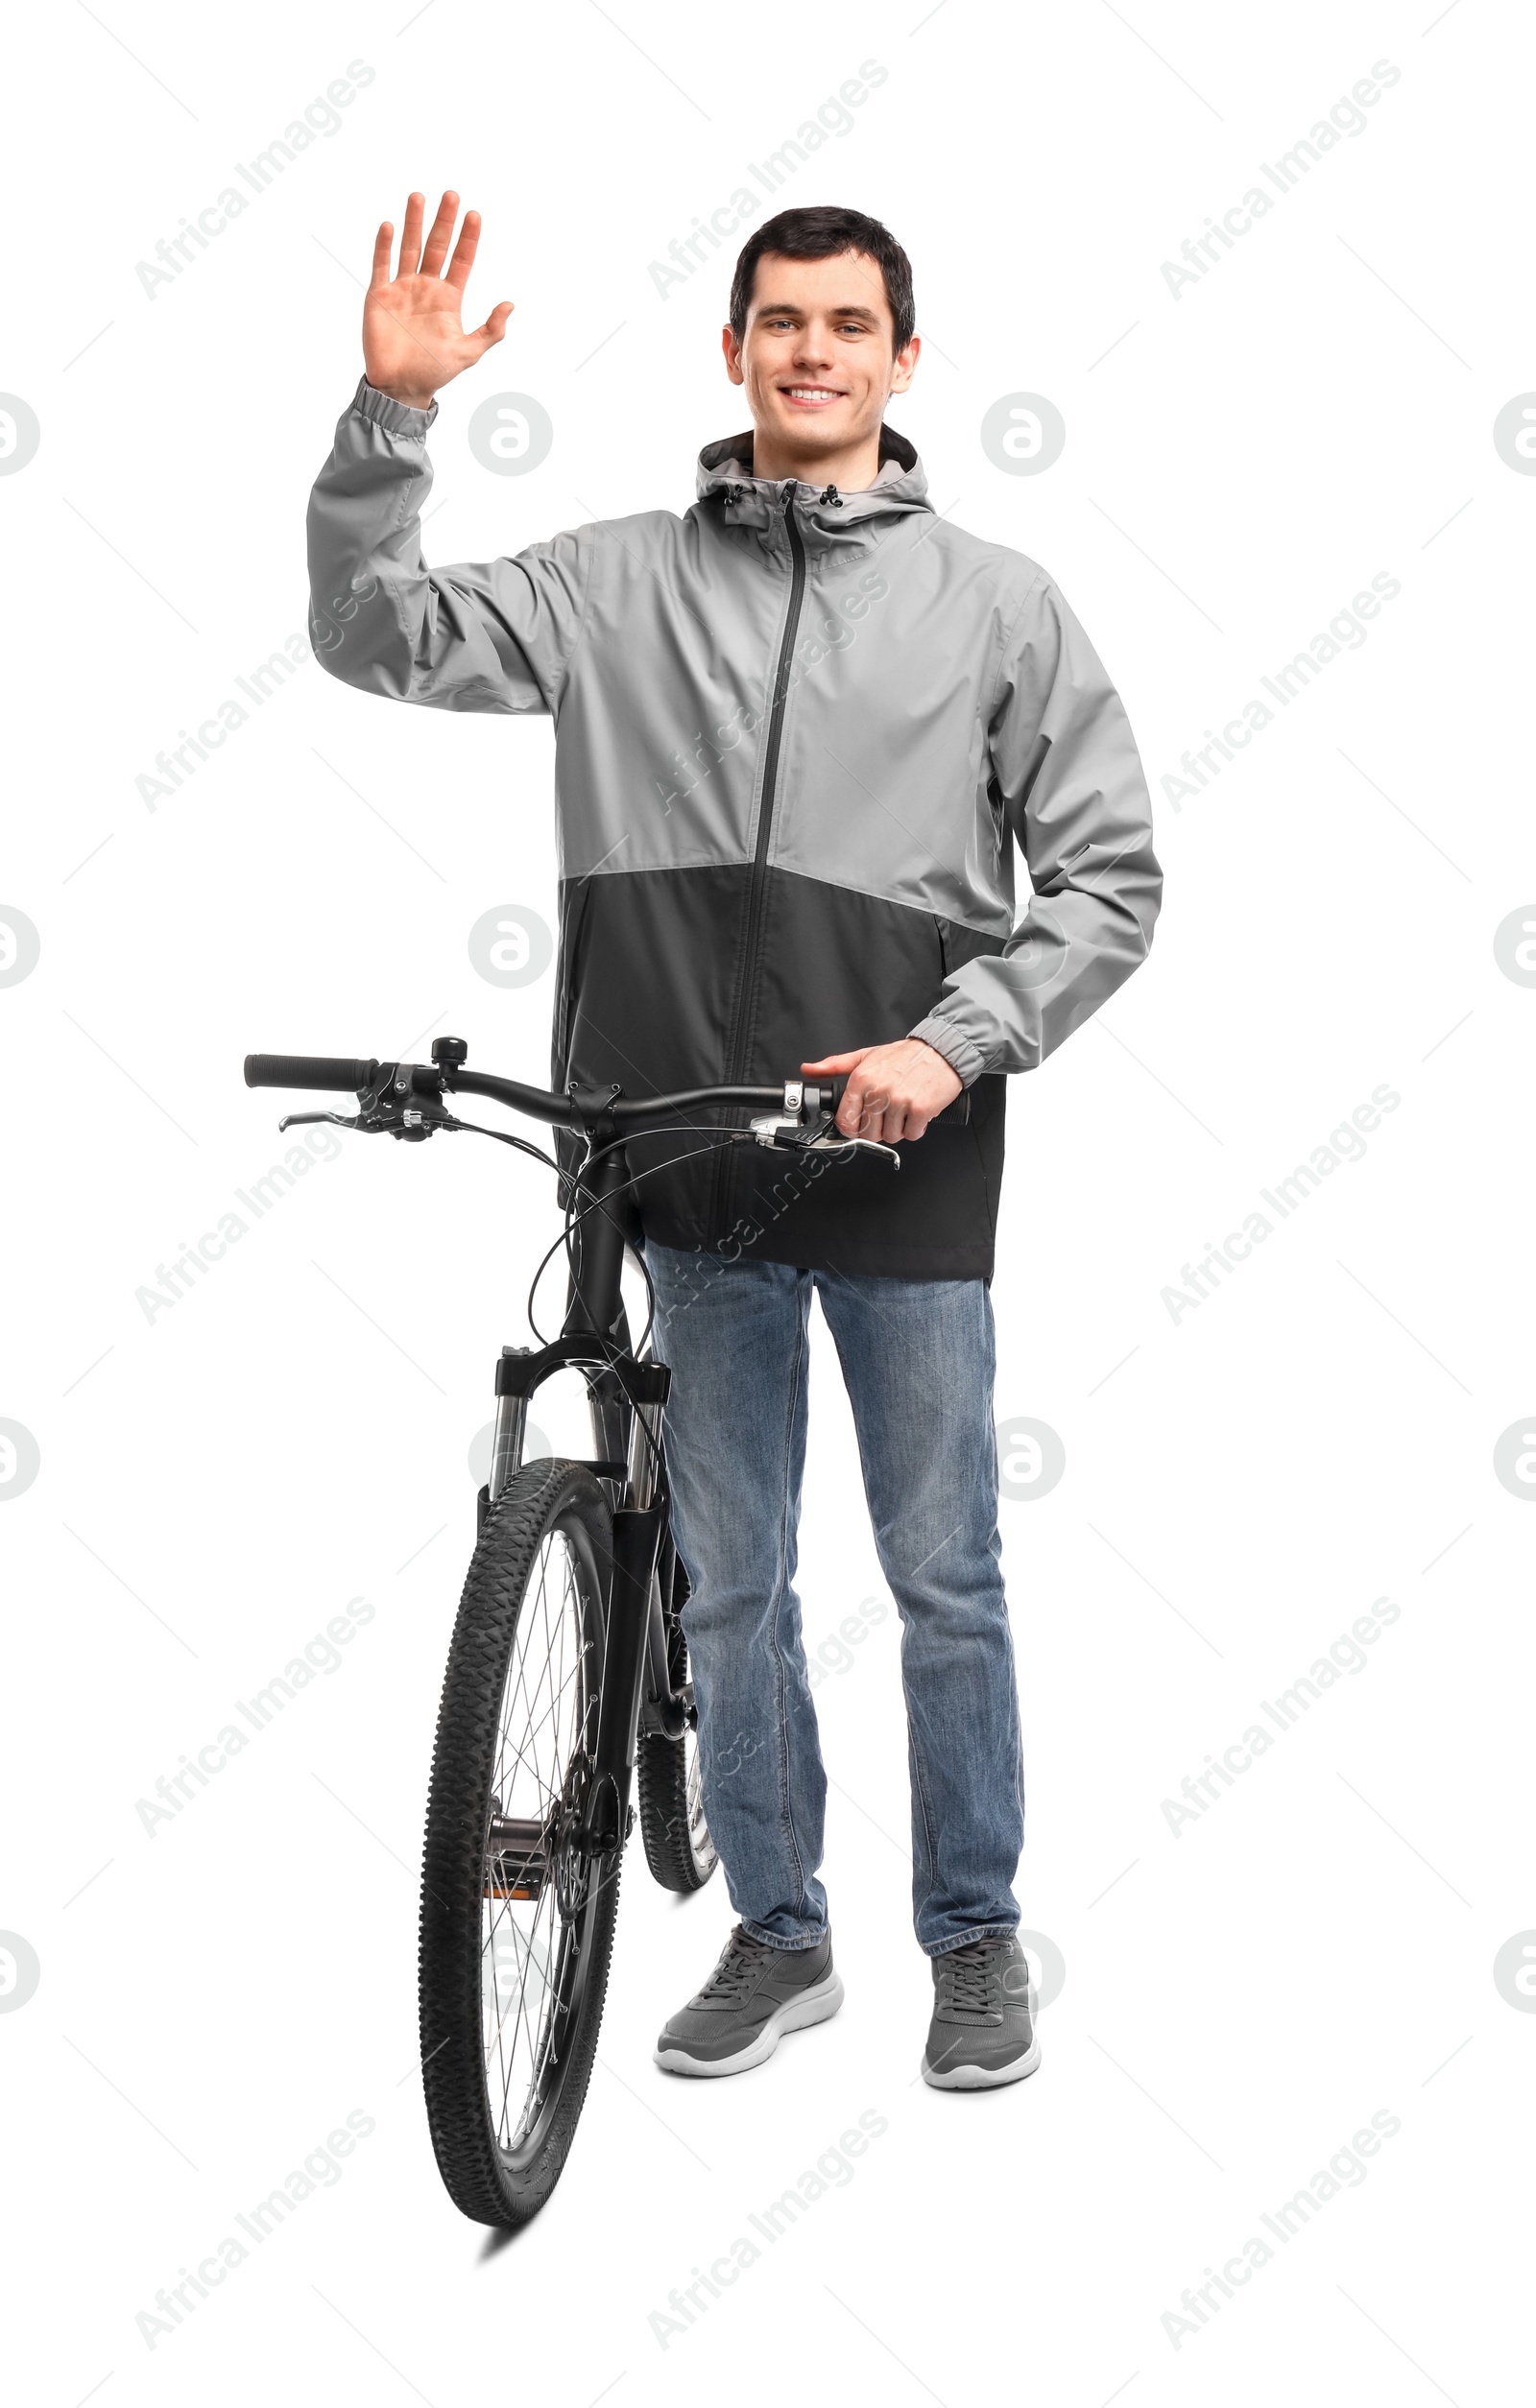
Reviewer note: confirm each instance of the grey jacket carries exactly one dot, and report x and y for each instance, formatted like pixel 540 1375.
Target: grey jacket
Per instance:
pixel 798 736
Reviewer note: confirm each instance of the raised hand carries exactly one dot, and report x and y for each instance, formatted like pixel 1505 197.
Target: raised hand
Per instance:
pixel 414 339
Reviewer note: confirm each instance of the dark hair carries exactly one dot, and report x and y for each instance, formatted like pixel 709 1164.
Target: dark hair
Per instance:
pixel 825 234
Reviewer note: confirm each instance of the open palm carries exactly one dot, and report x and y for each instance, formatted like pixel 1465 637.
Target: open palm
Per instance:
pixel 414 338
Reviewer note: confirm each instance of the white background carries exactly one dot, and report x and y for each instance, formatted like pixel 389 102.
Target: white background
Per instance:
pixel 1240 1484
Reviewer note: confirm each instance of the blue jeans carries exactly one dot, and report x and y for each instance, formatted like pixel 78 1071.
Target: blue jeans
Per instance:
pixel 918 1361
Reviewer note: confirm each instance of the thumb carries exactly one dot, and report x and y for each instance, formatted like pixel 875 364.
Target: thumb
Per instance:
pixel 495 325
pixel 836 1063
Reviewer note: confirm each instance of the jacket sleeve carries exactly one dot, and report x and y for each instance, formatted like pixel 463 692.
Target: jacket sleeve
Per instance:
pixel 492 636
pixel 1067 783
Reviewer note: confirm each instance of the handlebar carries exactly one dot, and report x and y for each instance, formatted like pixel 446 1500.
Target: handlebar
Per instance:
pixel 338 1073
pixel 407 1098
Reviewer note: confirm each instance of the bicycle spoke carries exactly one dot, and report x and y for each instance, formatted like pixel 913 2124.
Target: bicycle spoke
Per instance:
pixel 530 1962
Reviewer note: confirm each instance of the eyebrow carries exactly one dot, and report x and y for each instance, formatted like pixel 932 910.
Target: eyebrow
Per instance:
pixel 792 309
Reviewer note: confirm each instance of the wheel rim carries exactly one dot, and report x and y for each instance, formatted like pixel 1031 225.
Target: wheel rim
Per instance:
pixel 701 1847
pixel 536 1896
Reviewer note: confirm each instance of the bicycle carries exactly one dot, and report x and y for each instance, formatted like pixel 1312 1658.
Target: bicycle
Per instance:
pixel 567 1671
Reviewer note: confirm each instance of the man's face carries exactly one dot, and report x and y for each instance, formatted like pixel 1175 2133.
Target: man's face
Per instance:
pixel 816 358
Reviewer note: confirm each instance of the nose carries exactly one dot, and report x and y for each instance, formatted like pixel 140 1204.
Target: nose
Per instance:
pixel 814 349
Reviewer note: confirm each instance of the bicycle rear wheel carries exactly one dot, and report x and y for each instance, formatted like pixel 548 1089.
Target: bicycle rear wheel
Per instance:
pixel 516 1931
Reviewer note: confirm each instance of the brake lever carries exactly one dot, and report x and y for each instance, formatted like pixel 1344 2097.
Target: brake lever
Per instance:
pixel 409 1124
pixel 831 1140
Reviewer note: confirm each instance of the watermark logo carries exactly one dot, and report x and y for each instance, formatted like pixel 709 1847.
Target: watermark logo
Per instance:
pixel 1023 434
pixel 20 1971
pixel 1345 631
pixel 1346 2170
pixel 192 1263
pixel 1346 120
pixel 510 433
pixel 1031 1459
pixel 1514 944
pixel 321 2170
pixel 1514 434
pixel 685 255
pixel 835 1652
pixel 1513 1458
pixel 322 1654
pixel 20 1460
pixel 175 253
pixel 19 433
pixel 177 762
pixel 833 2170
pixel 1216 1265
pixel 1514 1972
pixel 511 945
pixel 1047 1967
pixel 19 946
pixel 1347 1656
pixel 534 1444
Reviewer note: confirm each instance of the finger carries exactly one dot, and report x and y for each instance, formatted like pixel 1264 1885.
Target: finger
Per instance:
pixel 411 234
pixel 382 242
pixel 464 250
pixel 494 327
pixel 834 1063
pixel 442 234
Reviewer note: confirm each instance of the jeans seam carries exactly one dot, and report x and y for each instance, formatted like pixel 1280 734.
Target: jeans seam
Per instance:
pixel 967 1939
pixel 920 1777
pixel 780 1586
pixel 785 1948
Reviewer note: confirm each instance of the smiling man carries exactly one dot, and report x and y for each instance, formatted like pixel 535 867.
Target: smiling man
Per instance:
pixel 800 732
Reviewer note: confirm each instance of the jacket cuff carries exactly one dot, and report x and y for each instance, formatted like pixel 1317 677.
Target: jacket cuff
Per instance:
pixel 958 1051
pixel 396 418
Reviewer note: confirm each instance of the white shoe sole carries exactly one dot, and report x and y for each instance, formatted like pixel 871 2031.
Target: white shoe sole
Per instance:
pixel 982 2077
pixel 812 2006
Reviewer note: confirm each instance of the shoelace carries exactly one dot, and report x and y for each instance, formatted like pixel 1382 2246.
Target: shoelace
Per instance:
pixel 972 1973
pixel 736 1967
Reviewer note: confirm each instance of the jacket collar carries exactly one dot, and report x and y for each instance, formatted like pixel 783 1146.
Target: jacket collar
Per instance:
pixel 725 468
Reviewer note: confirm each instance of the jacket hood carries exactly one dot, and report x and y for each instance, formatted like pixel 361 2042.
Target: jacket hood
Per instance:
pixel 725 470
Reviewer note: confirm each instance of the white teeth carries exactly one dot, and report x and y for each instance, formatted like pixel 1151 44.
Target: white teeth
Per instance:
pixel 812 393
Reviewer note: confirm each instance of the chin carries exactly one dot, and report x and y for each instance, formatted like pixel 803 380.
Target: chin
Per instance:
pixel 814 434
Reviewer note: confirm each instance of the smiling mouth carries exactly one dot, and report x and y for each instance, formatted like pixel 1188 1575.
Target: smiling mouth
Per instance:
pixel 813 396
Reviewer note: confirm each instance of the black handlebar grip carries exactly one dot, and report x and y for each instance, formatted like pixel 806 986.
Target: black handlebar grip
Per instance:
pixel 959 1111
pixel 308 1070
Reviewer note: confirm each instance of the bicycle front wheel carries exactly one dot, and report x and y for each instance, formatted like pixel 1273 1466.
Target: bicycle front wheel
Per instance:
pixel 516 1930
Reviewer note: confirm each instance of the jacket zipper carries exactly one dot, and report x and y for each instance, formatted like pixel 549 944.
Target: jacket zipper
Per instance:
pixel 735 1065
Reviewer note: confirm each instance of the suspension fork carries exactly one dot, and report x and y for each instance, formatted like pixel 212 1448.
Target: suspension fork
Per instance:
pixel 632 1626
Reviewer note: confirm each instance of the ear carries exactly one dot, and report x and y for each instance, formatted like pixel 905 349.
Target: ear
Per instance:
pixel 904 368
pixel 732 349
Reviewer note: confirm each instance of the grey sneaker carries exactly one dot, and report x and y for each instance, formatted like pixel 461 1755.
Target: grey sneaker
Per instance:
pixel 754 1995
pixel 983 2027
